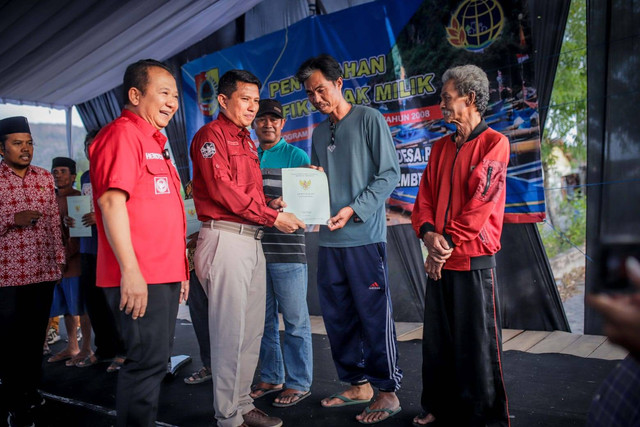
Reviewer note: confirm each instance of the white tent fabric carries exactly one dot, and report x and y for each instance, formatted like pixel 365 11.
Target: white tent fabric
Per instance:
pixel 274 15
pixel 61 53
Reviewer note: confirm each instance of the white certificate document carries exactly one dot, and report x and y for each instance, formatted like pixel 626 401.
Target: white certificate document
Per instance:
pixel 193 225
pixel 306 193
pixel 77 207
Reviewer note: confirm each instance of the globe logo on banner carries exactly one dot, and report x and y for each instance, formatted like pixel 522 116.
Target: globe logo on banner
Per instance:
pixel 475 25
pixel 207 87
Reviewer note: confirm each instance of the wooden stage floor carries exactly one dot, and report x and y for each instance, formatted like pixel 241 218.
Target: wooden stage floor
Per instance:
pixel 590 346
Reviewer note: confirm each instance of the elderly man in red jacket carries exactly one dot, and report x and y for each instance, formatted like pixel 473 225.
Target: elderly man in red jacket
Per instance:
pixel 458 215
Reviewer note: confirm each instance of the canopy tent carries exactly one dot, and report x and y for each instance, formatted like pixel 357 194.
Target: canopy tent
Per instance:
pixel 63 53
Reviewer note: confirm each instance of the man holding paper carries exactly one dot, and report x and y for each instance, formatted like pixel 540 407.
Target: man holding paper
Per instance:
pixel 68 296
pixel 286 274
pixel 355 148
pixel 229 261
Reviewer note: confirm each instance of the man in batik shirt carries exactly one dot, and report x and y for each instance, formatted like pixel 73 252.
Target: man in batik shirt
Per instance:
pixel 31 261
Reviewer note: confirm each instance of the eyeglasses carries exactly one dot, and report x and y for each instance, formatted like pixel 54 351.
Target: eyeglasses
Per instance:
pixel 332 144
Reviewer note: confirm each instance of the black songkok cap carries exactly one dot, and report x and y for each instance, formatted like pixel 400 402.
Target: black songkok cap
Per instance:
pixel 18 124
pixel 270 106
pixel 64 161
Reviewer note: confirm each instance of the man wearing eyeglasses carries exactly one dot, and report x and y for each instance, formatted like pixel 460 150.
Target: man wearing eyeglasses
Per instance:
pixel 355 148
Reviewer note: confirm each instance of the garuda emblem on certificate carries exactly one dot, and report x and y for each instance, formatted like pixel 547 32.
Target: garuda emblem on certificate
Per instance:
pixel 305 184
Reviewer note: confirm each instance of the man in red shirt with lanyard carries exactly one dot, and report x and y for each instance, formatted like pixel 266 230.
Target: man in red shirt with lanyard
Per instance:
pixel 142 262
pixel 229 199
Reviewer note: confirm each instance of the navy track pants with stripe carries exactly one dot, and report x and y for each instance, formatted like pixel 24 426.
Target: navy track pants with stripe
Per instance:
pixel 356 306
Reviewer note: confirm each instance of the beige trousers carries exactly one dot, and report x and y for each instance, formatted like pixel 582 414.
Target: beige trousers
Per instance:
pixel 231 268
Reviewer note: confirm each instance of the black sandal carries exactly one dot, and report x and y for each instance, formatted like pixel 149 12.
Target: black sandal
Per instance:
pixel 117 363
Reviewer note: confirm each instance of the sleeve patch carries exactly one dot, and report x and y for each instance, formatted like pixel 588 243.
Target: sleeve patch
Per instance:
pixel 208 150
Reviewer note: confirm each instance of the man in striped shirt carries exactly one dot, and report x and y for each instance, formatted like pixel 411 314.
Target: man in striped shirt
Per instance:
pixel 286 274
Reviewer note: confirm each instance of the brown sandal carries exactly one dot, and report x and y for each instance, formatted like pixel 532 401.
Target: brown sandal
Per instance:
pixel 198 377
pixel 91 360
pixel 59 357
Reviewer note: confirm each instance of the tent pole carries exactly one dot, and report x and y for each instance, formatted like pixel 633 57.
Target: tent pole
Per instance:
pixel 68 117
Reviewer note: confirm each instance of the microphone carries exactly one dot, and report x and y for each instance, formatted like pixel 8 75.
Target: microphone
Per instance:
pixel 165 154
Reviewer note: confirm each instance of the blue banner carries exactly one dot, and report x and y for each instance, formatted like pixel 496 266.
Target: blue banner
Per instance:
pixel 393 55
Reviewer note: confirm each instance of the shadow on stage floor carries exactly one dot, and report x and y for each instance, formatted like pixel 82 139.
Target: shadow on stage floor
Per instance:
pixel 543 389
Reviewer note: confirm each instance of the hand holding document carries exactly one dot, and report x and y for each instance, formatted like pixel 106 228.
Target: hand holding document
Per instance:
pixel 79 206
pixel 306 193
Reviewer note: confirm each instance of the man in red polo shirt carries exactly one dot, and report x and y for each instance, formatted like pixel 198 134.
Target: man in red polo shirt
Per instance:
pixel 141 263
pixel 229 199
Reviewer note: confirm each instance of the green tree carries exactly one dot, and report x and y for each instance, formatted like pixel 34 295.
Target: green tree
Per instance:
pixel 567 116
pixel 566 129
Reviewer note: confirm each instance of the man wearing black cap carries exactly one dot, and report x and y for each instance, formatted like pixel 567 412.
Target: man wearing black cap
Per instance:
pixel 286 274
pixel 31 261
pixel 68 296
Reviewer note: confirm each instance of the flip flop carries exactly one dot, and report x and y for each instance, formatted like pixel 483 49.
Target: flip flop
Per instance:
pixel 264 391
pixel 71 362
pixel 116 364
pixel 391 413
pixel 300 396
pixel 59 357
pixel 91 360
pixel 346 401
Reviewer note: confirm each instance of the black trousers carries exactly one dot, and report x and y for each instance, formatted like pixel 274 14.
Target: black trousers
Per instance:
pixel 24 314
pixel 462 350
pixel 107 340
pixel 199 311
pixel 148 341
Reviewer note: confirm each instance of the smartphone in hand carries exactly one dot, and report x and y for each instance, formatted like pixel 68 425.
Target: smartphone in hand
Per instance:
pixel 613 273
